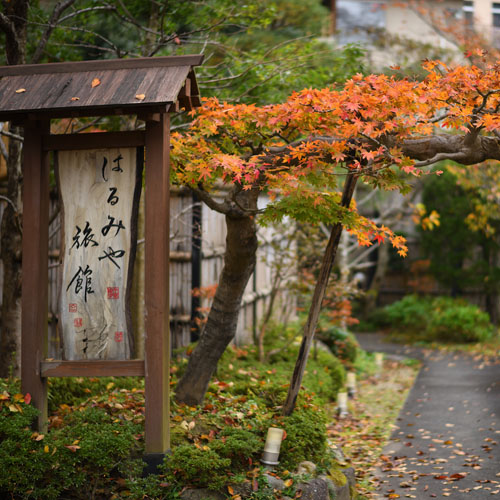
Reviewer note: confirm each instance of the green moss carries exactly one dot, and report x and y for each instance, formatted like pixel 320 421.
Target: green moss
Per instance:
pixel 202 468
pixel 337 476
pixel 239 445
pixel 305 436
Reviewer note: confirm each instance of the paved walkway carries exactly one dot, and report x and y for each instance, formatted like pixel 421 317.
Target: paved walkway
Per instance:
pixel 445 443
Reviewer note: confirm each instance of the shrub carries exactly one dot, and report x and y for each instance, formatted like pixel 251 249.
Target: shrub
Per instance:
pixel 443 319
pixel 29 467
pixel 411 312
pixel 341 342
pixel 198 467
pixel 457 321
pixel 305 436
pixel 86 448
pixel 237 444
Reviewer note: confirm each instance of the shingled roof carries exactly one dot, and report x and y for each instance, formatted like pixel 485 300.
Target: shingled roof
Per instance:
pixel 90 88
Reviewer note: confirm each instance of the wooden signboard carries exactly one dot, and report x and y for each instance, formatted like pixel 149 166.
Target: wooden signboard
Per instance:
pixel 100 192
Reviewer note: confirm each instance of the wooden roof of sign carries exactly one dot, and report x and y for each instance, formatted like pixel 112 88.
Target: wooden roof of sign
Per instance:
pixel 91 88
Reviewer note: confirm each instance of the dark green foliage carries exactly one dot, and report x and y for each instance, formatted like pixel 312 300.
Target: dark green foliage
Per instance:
pixel 305 437
pixel 459 256
pixel 74 390
pixel 341 342
pixel 238 445
pixel 87 448
pixel 104 441
pixel 441 319
pixel 200 467
pixel 457 321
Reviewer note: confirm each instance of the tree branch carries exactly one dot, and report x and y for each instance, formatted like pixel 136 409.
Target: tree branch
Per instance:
pixel 222 208
pixel 8 27
pixel 11 135
pixel 59 8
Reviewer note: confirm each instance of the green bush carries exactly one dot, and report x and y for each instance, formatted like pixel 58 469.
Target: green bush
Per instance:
pixel 457 321
pixel 201 467
pixel 411 312
pixel 89 446
pixel 441 319
pixel 305 436
pixel 238 445
pixel 30 463
pixel 341 342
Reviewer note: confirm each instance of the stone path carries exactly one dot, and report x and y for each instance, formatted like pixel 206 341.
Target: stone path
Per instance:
pixel 445 443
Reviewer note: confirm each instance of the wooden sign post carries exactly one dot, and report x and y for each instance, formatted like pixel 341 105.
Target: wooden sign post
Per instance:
pixel 100 179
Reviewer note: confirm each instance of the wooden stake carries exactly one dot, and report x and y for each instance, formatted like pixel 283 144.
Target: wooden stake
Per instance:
pixel 319 293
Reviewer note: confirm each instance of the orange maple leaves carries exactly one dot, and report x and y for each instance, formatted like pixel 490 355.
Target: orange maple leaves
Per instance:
pixel 304 145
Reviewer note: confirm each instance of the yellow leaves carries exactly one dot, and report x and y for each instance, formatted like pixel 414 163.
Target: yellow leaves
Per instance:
pixel 427 221
pixel 20 91
pixel 188 426
pixel 140 97
pixel 75 99
pixel 46 449
pixel 95 82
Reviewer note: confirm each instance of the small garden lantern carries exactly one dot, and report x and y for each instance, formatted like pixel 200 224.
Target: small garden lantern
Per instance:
pixel 351 384
pixel 272 446
pixel 342 404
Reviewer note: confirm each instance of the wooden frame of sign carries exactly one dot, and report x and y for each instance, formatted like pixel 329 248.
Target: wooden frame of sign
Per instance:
pixel 34 114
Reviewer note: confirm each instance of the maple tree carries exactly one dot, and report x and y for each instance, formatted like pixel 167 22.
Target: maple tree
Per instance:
pixel 252 51
pixel 301 150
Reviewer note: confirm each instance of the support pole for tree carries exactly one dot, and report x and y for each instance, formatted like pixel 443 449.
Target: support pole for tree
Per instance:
pixel 34 301
pixel 319 293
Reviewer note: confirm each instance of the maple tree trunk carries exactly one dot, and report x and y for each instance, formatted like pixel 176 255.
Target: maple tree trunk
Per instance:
pixel 220 329
pixel 319 293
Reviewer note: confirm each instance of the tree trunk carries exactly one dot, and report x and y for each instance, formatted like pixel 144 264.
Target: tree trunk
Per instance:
pixel 319 292
pixel 220 329
pixel 371 296
pixel 14 27
pixel 10 321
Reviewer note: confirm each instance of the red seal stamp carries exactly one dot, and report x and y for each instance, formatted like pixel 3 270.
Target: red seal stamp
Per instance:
pixel 118 336
pixel 78 322
pixel 113 292
pixel 73 308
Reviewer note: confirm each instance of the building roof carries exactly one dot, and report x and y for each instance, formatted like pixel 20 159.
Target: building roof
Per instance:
pixel 90 88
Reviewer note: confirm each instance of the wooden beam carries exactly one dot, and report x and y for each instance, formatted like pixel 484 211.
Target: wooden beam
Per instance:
pixel 75 112
pixel 106 368
pixel 157 338
pixel 101 65
pixel 62 142
pixel 35 266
